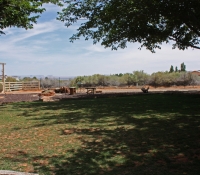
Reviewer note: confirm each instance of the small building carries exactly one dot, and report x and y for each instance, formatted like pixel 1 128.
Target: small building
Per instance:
pixel 196 72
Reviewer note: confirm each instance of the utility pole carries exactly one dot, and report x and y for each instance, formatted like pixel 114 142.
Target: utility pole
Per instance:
pixel 3 76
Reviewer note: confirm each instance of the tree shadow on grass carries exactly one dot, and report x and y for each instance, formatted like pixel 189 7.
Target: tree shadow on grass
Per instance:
pixel 148 135
pixel 122 108
pixel 136 151
pixel 141 150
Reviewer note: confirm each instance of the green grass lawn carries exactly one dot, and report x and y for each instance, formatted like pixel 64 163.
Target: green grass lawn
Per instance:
pixel 149 134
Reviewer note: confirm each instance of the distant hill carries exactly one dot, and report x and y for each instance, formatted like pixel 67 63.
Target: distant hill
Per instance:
pixel 43 76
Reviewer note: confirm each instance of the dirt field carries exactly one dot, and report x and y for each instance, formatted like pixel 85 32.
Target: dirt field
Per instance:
pixel 18 96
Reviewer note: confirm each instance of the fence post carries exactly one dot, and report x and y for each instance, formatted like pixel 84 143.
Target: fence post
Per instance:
pixel 38 84
pixel 3 76
pixel 59 82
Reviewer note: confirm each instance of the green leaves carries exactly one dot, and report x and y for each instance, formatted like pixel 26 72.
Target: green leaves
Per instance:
pixel 21 13
pixel 113 23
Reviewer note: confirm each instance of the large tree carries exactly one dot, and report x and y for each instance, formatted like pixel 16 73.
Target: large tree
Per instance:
pixel 113 23
pixel 21 13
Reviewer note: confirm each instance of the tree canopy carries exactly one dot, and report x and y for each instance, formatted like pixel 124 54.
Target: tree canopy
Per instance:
pixel 21 13
pixel 114 23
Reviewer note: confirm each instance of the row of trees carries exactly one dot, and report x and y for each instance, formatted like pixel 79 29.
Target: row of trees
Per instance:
pixel 138 78
pixel 13 79
pixel 182 68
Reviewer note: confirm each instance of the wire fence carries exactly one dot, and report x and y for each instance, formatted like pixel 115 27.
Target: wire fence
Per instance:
pixel 54 83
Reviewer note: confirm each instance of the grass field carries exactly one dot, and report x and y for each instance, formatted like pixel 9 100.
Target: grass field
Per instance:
pixel 157 134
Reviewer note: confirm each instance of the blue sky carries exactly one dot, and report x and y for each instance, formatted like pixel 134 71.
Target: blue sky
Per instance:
pixel 46 50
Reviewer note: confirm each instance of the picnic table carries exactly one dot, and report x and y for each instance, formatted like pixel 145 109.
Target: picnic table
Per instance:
pixel 90 90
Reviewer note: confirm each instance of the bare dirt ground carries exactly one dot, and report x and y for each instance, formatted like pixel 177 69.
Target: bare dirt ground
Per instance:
pixel 19 96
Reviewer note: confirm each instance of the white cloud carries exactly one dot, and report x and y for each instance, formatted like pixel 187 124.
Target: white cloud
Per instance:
pixel 95 48
pixel 46 50
pixel 52 8
pixel 38 29
pixel 20 42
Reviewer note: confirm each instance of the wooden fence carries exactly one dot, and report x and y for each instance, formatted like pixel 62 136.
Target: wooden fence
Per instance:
pixel 16 86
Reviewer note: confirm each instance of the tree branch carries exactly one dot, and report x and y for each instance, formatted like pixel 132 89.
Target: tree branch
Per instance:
pixel 193 29
pixel 195 47
pixel 188 44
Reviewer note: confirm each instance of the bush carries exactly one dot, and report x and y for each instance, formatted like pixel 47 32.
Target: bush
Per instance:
pixel 10 79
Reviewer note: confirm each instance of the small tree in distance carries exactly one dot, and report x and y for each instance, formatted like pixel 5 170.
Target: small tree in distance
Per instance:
pixel 11 79
pixel 183 67
pixel 171 69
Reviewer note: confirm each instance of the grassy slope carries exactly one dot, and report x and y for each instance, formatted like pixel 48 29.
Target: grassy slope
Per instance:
pixel 140 134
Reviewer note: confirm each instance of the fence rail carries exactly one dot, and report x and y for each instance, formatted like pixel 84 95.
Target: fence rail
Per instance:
pixel 15 86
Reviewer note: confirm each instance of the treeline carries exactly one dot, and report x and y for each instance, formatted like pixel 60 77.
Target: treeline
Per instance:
pixel 138 78
pixel 182 68
pixel 135 78
pixel 177 77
